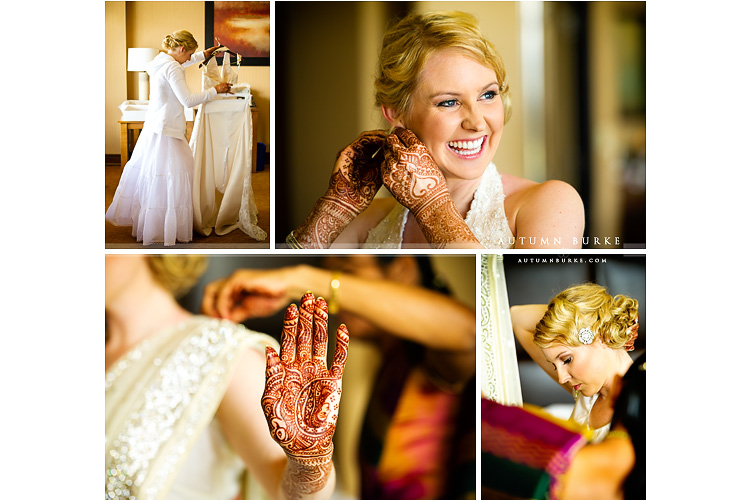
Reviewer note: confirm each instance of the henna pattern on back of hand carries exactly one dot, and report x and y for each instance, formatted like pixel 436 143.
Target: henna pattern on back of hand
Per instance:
pixel 354 182
pixel 356 175
pixel 411 175
pixel 301 397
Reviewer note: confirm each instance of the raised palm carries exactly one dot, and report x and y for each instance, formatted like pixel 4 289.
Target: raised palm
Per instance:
pixel 301 397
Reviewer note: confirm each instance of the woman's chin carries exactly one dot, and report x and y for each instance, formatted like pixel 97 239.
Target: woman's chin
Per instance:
pixel 463 169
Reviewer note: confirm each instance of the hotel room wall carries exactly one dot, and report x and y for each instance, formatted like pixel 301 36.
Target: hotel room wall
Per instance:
pixel 144 24
pixel 115 76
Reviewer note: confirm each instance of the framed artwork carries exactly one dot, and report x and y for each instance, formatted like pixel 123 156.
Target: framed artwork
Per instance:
pixel 243 27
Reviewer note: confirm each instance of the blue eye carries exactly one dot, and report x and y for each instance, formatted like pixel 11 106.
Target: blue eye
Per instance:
pixel 489 95
pixel 448 104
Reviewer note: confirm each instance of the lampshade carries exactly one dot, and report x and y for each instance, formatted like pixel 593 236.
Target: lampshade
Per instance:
pixel 139 58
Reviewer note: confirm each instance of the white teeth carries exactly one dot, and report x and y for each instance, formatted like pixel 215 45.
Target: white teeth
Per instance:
pixel 467 147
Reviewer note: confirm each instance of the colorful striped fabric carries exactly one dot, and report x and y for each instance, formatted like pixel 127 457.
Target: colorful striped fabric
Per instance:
pixel 524 451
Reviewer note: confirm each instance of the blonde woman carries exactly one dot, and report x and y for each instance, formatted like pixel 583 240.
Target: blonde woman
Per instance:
pixel 443 89
pixel 154 195
pixel 188 410
pixel 581 340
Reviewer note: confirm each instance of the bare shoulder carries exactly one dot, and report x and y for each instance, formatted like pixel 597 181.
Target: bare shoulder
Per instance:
pixel 551 210
pixel 514 185
pixel 356 232
pixel 249 374
pixel 559 193
pixel 524 194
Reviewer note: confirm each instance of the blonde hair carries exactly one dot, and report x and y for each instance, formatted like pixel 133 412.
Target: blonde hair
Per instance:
pixel 181 38
pixel 588 305
pixel 408 44
pixel 177 273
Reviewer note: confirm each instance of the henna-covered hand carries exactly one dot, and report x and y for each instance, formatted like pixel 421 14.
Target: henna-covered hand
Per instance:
pixel 301 397
pixel 411 175
pixel 354 182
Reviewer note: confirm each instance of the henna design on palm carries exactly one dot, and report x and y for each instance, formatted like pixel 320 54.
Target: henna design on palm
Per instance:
pixel 301 397
pixel 411 175
pixel 354 182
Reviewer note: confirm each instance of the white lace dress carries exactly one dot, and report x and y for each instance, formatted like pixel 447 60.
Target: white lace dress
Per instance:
pixel 486 218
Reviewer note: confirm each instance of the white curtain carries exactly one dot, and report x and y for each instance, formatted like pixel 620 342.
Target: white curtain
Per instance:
pixel 500 378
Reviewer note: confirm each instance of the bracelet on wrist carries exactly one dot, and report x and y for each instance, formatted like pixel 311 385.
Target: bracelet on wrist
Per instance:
pixel 292 242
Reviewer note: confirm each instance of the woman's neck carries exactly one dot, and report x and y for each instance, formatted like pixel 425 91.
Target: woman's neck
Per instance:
pixel 462 193
pixel 137 314
pixel 622 363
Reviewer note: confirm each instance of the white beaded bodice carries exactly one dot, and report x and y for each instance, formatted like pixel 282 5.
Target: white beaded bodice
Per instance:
pixel 486 218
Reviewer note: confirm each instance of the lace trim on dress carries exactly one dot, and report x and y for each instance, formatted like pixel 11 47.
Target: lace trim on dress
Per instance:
pixel 389 232
pixel 486 218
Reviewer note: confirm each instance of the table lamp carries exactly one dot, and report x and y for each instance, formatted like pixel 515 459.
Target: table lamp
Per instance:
pixel 137 61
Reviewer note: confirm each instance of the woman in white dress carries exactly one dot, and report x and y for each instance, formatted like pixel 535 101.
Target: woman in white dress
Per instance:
pixel 443 89
pixel 154 195
pixel 187 412
pixel 581 340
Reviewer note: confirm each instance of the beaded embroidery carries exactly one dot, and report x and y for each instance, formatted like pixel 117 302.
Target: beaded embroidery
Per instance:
pixel 187 378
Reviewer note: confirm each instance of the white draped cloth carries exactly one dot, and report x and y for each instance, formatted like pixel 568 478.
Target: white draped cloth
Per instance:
pixel 223 196
pixel 501 380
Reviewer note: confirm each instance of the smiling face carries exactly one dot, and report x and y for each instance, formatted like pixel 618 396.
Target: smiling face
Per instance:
pixel 457 112
pixel 586 368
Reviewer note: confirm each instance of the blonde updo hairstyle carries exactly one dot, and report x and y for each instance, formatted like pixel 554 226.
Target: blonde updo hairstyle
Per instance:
pixel 177 273
pixel 588 305
pixel 181 38
pixel 408 44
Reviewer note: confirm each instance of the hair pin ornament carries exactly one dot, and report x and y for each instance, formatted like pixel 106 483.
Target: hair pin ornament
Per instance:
pixel 585 336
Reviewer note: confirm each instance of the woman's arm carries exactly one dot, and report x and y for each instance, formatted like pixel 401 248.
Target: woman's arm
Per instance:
pixel 443 325
pixel 548 215
pixel 409 312
pixel 176 79
pixel 524 319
